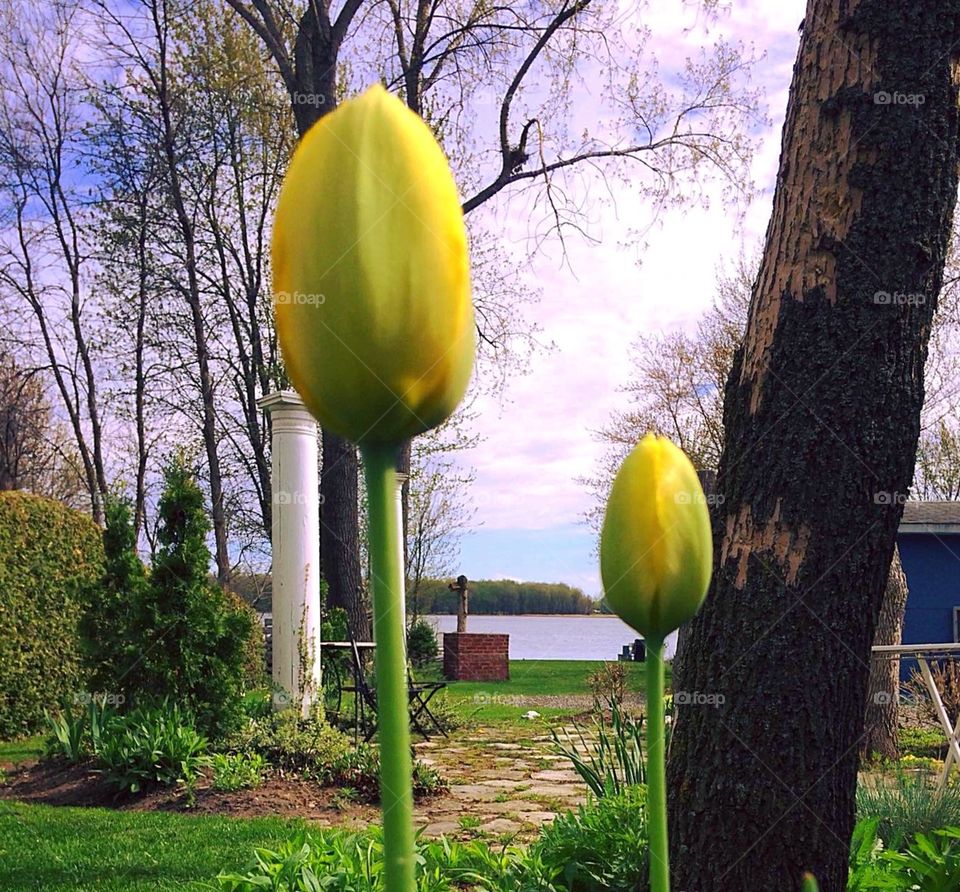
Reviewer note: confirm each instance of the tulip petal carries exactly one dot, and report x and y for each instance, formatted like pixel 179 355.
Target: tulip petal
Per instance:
pixel 656 552
pixel 371 274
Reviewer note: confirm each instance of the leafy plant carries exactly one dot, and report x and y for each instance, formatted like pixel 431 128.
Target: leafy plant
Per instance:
pixel 191 637
pixel 913 804
pixel 238 771
pixel 869 872
pixel 601 846
pixel 68 735
pixel 353 862
pixel 931 862
pixel 152 746
pixel 422 646
pixel 614 761
pixel 100 715
pixel 608 684
pixel 359 769
pixel 108 632
pixel 927 743
pixel 76 734
pixel 327 860
pixel 288 741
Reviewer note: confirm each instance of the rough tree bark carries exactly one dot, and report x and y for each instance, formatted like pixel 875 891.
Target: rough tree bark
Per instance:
pixel 821 425
pixel 315 57
pixel 883 690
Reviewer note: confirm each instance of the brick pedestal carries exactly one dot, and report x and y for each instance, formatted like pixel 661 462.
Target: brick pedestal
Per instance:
pixel 474 657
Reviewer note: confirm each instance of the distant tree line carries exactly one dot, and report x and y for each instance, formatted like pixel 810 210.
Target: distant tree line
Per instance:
pixel 504 596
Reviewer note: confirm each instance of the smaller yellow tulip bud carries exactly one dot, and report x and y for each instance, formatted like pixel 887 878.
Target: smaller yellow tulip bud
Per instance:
pixel 656 552
pixel 371 274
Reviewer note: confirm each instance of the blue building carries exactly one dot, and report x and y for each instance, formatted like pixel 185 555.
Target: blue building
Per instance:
pixel 929 542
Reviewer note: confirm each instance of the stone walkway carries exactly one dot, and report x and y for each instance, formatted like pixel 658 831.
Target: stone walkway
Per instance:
pixel 502 785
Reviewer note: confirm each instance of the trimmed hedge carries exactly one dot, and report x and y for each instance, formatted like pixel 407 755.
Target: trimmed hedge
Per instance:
pixel 49 556
pixel 255 647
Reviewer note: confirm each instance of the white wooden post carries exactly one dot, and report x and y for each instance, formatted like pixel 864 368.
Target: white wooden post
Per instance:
pixel 948 729
pixel 295 535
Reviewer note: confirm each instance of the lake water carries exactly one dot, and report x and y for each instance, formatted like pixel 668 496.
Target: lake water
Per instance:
pixel 554 637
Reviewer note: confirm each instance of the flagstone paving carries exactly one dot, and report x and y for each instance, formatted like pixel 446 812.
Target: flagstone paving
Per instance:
pixel 502 789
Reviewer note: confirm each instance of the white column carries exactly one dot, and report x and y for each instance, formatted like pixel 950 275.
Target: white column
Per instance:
pixel 295 536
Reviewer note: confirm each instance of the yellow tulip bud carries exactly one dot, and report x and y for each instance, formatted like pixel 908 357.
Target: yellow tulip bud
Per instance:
pixel 371 274
pixel 656 553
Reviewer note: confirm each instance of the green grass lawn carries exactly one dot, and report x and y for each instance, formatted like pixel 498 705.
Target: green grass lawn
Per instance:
pixel 21 750
pixel 507 701
pixel 55 849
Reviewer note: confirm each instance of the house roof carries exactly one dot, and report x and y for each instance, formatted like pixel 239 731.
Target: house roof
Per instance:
pixel 930 517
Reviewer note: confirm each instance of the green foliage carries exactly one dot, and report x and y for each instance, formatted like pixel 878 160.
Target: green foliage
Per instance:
pixel 446 715
pixel 334 626
pixel 505 596
pixel 353 862
pixel 49 555
pixel 237 771
pixel 358 769
pixel 331 861
pixel 602 845
pixel 254 644
pixel 68 736
pixel 869 871
pixel 290 742
pixel 608 841
pixel 77 733
pixel 912 805
pixel 422 645
pixel 152 746
pixel 614 761
pixel 334 623
pixel 928 862
pixel 925 743
pixel 108 635
pixel 191 638
pixel 931 861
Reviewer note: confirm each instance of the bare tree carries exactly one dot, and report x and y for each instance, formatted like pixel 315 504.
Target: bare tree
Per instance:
pixel 450 60
pixel 36 453
pixel 439 514
pixel 44 253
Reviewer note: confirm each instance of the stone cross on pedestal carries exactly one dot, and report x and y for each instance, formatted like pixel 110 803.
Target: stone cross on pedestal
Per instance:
pixel 295 535
pixel 461 586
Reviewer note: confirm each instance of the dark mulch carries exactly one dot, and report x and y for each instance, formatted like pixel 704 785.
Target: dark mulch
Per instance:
pixel 57 783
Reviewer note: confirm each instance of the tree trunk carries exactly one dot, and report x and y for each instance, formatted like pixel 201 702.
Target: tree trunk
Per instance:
pixel 340 533
pixel 883 690
pixel 192 292
pixel 821 423
pixel 315 55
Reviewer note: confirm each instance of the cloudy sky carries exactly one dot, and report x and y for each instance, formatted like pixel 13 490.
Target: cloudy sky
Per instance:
pixel 593 303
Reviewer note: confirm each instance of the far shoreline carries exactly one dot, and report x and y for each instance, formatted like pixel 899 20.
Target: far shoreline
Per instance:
pixel 540 615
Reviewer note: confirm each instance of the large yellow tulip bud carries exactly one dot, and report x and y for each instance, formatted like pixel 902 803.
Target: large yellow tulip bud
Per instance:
pixel 656 553
pixel 371 275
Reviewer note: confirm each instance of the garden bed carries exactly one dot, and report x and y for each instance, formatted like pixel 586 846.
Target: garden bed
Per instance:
pixel 60 784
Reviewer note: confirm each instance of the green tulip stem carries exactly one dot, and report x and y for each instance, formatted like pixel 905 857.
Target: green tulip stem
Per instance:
pixel 386 557
pixel 656 772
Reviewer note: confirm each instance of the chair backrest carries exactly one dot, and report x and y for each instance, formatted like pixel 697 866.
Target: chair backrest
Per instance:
pixel 365 689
